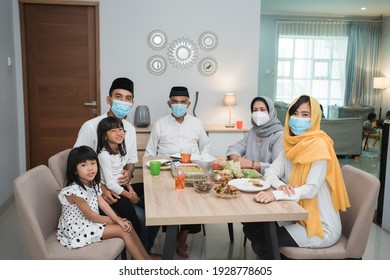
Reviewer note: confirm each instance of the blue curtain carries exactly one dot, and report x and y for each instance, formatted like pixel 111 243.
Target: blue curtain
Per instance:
pixel 362 62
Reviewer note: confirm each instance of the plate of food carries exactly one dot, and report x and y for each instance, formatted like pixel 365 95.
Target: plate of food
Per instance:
pixel 226 191
pixel 165 163
pixel 250 184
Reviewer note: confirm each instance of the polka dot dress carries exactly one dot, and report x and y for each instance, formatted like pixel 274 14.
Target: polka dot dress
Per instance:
pixel 74 229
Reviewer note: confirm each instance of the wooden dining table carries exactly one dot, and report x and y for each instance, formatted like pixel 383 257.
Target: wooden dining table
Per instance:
pixel 166 206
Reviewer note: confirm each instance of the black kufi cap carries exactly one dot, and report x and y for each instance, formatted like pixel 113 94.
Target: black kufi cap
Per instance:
pixel 123 83
pixel 179 91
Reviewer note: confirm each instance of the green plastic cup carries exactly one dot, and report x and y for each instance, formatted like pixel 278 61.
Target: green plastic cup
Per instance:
pixel 155 167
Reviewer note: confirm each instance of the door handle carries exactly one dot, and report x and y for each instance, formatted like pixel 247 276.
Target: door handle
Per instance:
pixel 91 104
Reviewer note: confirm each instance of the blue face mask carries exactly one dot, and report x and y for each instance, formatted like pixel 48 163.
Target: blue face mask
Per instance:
pixel 178 110
pixel 120 108
pixel 298 125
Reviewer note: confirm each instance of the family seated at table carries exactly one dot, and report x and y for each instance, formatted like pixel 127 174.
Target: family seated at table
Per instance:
pixel 298 160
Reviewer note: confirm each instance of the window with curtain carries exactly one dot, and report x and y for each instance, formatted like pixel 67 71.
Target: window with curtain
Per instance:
pixel 311 59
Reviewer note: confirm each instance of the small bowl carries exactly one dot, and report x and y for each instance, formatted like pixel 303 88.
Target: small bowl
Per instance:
pixel 215 165
pixel 203 186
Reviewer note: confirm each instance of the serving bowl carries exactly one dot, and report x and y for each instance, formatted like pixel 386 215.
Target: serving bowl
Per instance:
pixel 203 186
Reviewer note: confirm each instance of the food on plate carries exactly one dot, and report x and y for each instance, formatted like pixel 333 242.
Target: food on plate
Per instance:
pixel 191 168
pixel 255 183
pixel 225 175
pixel 216 166
pixel 165 164
pixel 235 168
pixel 251 173
pixel 226 190
pixel 193 172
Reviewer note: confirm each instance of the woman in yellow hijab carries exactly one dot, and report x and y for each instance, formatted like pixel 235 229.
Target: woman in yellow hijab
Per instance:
pixel 306 171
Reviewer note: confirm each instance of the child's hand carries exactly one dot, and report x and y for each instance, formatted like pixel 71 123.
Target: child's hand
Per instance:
pixel 127 226
pixel 133 195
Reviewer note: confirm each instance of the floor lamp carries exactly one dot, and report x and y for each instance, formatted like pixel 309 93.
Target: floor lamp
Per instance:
pixel 229 100
pixel 381 83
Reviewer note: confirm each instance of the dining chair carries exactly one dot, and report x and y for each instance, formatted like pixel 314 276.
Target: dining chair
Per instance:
pixel 363 190
pixel 36 197
pixel 57 165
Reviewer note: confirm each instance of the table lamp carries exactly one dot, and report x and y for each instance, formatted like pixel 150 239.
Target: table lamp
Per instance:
pixel 229 100
pixel 381 83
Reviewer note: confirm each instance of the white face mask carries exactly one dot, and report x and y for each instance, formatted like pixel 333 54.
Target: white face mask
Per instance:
pixel 260 118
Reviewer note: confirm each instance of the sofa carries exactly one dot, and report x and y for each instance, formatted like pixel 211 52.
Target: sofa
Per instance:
pixel 355 111
pixel 346 133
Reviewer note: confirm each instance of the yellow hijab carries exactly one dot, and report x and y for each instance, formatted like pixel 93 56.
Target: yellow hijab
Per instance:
pixel 306 148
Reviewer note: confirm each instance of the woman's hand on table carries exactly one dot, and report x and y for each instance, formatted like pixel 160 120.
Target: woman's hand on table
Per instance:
pixel 264 197
pixel 287 189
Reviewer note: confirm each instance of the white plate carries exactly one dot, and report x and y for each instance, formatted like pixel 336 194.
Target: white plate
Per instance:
pixel 162 161
pixel 245 184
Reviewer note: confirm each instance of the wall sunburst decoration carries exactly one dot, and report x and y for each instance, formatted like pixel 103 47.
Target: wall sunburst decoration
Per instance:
pixel 182 53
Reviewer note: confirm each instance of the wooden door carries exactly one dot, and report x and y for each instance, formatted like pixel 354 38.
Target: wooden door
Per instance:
pixel 60 74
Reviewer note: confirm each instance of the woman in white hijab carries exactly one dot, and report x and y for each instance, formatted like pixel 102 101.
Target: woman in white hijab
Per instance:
pixel 260 147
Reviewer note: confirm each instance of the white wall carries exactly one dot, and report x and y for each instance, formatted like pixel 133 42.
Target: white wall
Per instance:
pixel 124 27
pixel 267 57
pixel 9 152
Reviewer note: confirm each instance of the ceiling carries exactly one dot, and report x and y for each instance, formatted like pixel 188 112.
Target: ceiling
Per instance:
pixel 334 8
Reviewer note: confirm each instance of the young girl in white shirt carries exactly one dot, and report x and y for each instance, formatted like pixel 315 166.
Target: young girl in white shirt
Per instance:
pixel 112 154
pixel 80 223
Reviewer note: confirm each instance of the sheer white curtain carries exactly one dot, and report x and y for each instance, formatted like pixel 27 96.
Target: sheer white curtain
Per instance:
pixel 311 59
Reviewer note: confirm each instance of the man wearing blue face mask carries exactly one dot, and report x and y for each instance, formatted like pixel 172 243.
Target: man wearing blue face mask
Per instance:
pixel 173 132
pixel 120 99
pixel 178 129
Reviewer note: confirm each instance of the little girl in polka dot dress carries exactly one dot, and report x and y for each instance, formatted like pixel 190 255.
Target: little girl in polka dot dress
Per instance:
pixel 80 223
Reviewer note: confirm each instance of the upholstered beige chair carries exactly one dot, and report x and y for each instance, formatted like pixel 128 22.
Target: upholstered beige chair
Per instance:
pixel 36 197
pixel 57 165
pixel 363 190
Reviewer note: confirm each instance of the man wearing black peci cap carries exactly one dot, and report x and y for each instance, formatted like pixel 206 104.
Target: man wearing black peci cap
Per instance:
pixel 173 132
pixel 121 99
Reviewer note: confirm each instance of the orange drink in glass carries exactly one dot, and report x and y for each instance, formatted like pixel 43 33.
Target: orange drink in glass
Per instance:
pixel 180 178
pixel 185 155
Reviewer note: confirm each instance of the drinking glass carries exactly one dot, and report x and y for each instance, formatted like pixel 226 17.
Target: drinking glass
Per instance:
pixel 185 154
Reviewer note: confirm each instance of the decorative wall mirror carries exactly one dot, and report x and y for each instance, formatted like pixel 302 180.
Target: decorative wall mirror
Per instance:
pixel 208 41
pixel 182 53
pixel 207 66
pixel 157 39
pixel 157 65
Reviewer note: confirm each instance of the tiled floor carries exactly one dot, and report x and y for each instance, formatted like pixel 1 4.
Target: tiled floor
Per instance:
pixel 215 245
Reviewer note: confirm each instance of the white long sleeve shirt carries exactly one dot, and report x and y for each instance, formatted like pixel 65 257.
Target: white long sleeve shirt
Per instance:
pixel 88 136
pixel 168 137
pixel 315 186
pixel 111 167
